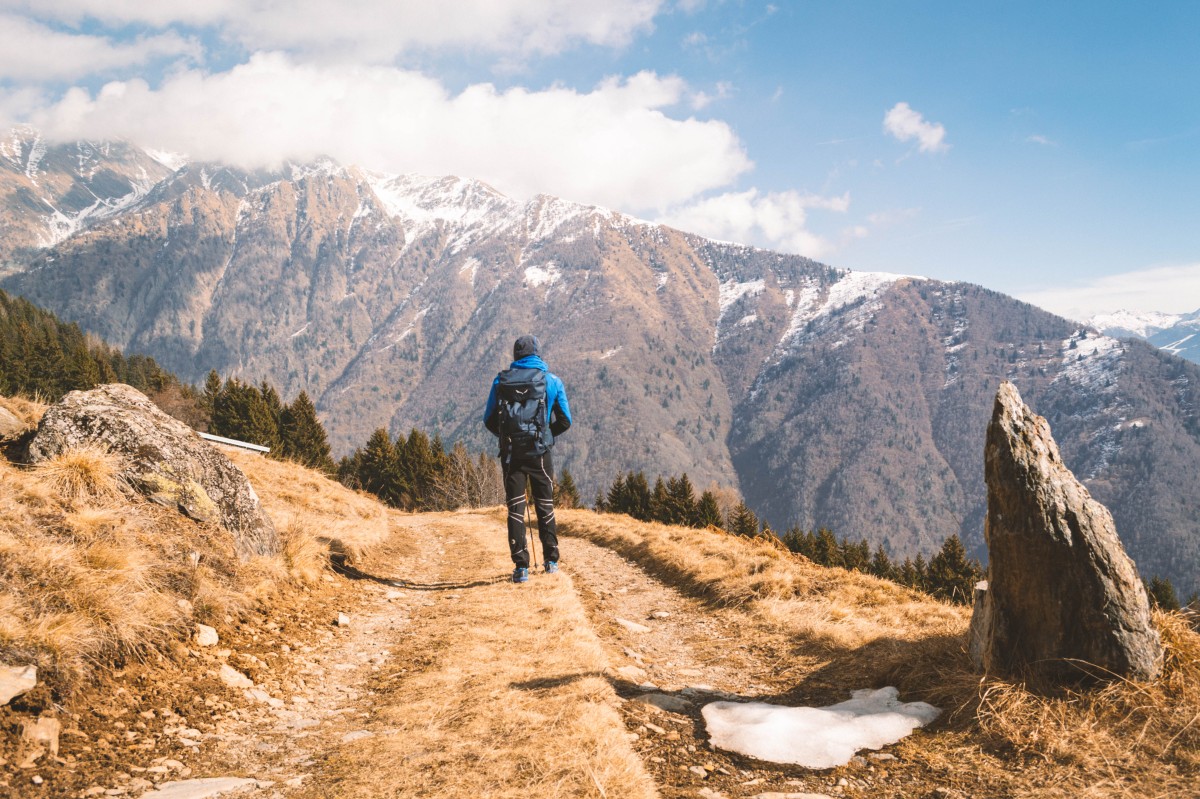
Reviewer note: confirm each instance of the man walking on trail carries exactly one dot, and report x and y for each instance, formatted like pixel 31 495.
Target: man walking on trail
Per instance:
pixel 527 409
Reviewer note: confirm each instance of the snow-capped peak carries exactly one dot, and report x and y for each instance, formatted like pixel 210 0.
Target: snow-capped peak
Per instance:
pixel 1142 324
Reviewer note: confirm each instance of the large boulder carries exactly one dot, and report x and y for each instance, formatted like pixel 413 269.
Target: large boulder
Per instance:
pixel 1062 595
pixel 10 426
pixel 164 458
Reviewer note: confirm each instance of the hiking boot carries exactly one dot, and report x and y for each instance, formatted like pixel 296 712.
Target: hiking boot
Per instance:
pixel 551 566
pixel 520 575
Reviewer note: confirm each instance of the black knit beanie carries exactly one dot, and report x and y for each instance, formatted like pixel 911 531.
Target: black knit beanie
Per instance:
pixel 525 346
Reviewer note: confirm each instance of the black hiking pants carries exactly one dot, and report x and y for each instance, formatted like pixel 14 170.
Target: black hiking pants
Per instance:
pixel 539 470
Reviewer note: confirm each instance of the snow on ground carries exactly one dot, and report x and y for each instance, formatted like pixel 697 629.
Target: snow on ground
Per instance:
pixel 544 274
pixel 1176 347
pixel 815 737
pixel 172 161
pixel 854 287
pixel 731 291
pixel 1089 359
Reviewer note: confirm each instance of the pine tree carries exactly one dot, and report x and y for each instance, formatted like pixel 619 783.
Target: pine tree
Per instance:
pixel 708 511
pixel 1162 593
pixel 304 437
pixel 618 496
pixel 660 505
pixel 212 389
pixel 742 521
pixel 881 564
pixel 681 501
pixel 566 495
pixel 951 575
pixel 378 468
pixel 638 492
pixel 826 550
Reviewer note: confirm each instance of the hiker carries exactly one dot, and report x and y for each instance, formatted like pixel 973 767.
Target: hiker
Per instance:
pixel 527 409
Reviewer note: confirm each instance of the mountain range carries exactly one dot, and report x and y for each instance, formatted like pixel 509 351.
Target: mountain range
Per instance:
pixel 1178 334
pixel 856 401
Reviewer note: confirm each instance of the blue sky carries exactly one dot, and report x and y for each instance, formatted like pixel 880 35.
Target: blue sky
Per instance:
pixel 1047 150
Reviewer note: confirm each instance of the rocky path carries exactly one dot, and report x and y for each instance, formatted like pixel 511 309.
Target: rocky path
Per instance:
pixel 433 676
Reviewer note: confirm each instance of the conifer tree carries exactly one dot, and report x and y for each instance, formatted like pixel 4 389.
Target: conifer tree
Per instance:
pixel 951 575
pixel 378 469
pixel 638 493
pixel 708 511
pixel 826 549
pixel 1162 593
pixel 681 501
pixel 599 505
pixel 212 389
pixel 304 437
pixel 660 506
pixel 881 564
pixel 618 496
pixel 566 495
pixel 743 521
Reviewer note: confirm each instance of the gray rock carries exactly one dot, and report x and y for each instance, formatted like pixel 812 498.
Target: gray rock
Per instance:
pixel 206 636
pixel 10 426
pixel 1061 591
pixel 16 680
pixel 165 459
pixel 675 704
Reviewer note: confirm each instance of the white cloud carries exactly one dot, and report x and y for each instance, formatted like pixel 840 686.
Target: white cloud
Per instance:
pixel 377 31
pixel 1045 141
pixel 777 220
pixel 613 145
pixel 908 125
pixel 35 53
pixel 1169 289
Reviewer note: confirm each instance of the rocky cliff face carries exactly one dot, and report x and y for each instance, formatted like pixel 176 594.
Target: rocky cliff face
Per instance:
pixel 856 401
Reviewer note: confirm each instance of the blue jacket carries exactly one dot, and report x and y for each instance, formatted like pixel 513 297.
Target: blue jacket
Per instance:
pixel 558 412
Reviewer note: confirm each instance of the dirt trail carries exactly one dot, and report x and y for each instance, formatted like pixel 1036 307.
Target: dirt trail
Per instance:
pixel 448 681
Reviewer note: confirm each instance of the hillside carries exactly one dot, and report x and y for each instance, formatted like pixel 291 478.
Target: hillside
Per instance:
pixel 436 652
pixel 829 398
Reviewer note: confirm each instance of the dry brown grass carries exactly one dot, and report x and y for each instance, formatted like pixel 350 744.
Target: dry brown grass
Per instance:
pixel 92 574
pixel 29 411
pixel 1123 738
pixel 502 694
pixel 835 607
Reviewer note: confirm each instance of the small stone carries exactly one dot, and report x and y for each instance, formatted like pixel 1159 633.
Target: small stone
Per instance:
pixel 234 678
pixel 699 771
pixel 632 626
pixel 36 780
pixel 674 704
pixel 342 620
pixel 843 782
pixel 632 673
pixel 206 636
pixel 16 680
pixel 357 735
pixel 660 614
pixel 858 760
pixel 655 728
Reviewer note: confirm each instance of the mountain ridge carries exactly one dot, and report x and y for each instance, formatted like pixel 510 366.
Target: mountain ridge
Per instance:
pixel 831 398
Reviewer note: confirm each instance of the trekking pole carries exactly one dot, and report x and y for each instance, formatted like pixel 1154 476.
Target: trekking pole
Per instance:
pixel 529 532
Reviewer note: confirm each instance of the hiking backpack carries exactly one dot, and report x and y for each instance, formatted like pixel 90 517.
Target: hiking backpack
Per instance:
pixel 521 406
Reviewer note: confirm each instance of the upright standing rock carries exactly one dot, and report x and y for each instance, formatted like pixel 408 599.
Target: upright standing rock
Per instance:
pixel 1061 591
pixel 166 460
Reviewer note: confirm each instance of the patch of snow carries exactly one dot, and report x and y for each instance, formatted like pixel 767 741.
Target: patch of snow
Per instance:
pixel 300 331
pixel 610 353
pixel 1176 347
pixel 746 320
pixel 815 737
pixel 172 161
pixel 731 291
pixel 547 274
pixel 661 280
pixel 1090 359
pixel 36 153
pixel 789 297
